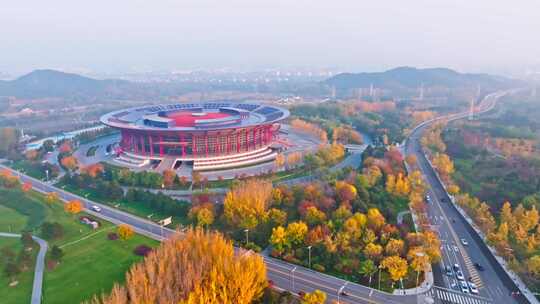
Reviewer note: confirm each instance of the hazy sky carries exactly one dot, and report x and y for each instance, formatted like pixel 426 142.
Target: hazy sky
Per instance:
pixel 107 35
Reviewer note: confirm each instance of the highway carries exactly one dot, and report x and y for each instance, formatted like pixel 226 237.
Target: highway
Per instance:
pixel 493 284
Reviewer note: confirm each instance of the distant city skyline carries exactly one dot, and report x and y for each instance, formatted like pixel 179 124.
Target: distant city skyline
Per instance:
pixel 135 36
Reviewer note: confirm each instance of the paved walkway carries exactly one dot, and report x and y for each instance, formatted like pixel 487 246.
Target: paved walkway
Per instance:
pixel 39 268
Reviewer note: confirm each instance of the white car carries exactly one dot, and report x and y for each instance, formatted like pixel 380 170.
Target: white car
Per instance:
pixel 459 275
pixel 464 242
pixel 464 287
pixel 456 249
pixel 473 288
pixel 96 208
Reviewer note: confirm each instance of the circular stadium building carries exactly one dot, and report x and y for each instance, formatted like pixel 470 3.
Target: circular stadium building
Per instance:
pixel 204 136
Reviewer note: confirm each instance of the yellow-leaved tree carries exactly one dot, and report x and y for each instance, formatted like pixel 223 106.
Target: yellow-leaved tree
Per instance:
pixel 193 268
pixel 247 203
pixel 315 297
pixel 396 267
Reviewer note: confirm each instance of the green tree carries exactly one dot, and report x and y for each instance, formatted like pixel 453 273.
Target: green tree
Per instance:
pixel 367 269
pixel 56 253
pixel 26 239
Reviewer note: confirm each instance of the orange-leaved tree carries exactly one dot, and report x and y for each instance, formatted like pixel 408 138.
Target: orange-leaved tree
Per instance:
pixel 125 232
pixel 73 207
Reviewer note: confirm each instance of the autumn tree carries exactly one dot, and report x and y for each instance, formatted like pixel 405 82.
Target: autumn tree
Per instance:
pixel 315 297
pixel 94 170
pixel 280 160
pixel 411 160
pixel 506 214
pixel 26 187
pixel 247 203
pixel 278 239
pixel 193 268
pixel 390 183
pixel 453 189
pixel 375 220
pixel 202 214
pixel 314 216
pixel 65 147
pixel 296 232
pixel 31 154
pixel 70 162
pixel 533 266
pixel 125 232
pixel 394 247
pixel 51 198
pixel 396 267
pixel 73 206
pixel 530 219
pixel 310 128
pixel 373 251
pixel 168 177
pixel 418 260
pixel 196 178
pixel 345 191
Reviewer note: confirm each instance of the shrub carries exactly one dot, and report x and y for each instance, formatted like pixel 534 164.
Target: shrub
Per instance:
pixel 274 253
pixel 51 231
pixel 142 250
pixel 112 236
pixel 319 267
pixel 253 246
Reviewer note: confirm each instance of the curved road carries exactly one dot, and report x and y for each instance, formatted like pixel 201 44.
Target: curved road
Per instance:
pixel 38 270
pixel 493 283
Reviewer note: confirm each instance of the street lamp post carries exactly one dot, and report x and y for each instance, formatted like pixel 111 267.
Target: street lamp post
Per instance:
pixel 292 277
pixel 309 256
pixel 247 236
pixel 340 291
pixel 47 174
pixel 418 254
pixel 379 276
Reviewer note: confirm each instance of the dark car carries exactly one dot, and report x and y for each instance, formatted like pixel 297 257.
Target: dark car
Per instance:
pixel 448 270
pixel 478 266
pixel 443 199
pixel 343 293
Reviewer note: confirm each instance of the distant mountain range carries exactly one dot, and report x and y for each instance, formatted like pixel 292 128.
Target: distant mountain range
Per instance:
pixel 50 83
pixel 408 77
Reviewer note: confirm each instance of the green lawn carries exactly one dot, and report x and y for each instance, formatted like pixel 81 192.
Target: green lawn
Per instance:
pixel 91 266
pixel 22 292
pixel 29 168
pixel 11 220
pixel 91 263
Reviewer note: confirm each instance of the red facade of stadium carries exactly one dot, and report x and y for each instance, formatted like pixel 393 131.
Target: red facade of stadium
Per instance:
pixel 187 144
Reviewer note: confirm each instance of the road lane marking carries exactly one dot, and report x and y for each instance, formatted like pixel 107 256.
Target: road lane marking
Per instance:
pixel 298 278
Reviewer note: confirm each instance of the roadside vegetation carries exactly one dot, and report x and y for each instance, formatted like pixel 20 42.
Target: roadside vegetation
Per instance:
pixel 492 166
pixel 344 224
